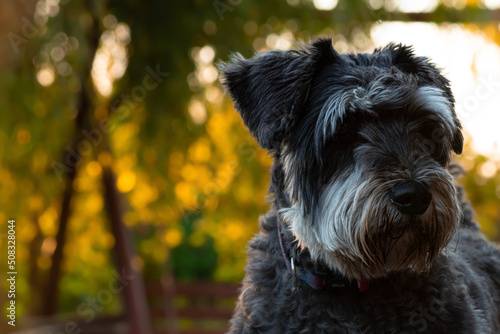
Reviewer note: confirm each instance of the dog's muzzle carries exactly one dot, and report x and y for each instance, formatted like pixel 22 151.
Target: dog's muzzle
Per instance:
pixel 411 197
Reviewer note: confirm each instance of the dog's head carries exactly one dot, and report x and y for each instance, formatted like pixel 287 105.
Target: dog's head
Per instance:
pixel 363 142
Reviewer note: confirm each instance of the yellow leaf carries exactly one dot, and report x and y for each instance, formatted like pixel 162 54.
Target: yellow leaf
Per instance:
pixel 126 181
pixel 200 151
pixel 94 168
pixel 48 222
pixel 186 194
pixel 173 237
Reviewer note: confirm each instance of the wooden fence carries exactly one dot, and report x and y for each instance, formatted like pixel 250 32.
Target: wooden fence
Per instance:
pixel 189 308
pixel 181 308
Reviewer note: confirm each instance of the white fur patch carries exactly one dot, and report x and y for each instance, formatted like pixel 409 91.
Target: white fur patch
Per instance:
pixel 364 99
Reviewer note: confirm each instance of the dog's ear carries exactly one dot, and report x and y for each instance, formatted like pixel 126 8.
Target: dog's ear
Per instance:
pixel 270 88
pixel 404 58
pixel 457 142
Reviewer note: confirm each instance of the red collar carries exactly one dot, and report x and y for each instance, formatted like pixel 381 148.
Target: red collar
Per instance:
pixel 318 281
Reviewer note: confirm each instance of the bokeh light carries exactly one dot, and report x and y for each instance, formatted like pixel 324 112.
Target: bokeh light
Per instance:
pixel 45 75
pixel 325 4
pixel 111 59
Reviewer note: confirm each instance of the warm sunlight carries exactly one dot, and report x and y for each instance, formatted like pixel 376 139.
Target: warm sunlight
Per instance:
pixel 325 4
pixel 469 58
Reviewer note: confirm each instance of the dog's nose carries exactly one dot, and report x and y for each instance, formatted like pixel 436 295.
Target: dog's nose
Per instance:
pixel 411 197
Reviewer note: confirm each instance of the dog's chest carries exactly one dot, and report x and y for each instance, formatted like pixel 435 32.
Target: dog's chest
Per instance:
pixel 381 310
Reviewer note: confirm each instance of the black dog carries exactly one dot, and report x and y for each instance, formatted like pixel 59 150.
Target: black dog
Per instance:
pixel 368 232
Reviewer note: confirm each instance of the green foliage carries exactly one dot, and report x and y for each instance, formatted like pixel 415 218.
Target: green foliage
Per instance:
pixel 194 260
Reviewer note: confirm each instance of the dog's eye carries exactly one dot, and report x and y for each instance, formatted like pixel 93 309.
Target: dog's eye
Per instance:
pixel 429 142
pixel 442 156
pixel 345 130
pixel 338 155
pixel 352 123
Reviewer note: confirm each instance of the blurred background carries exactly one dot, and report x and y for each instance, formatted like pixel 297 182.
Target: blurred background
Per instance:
pixel 134 184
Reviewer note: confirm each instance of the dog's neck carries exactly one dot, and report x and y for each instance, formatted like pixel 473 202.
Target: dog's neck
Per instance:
pixel 315 275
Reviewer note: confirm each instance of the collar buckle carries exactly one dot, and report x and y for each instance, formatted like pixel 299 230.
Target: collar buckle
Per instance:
pixel 317 280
